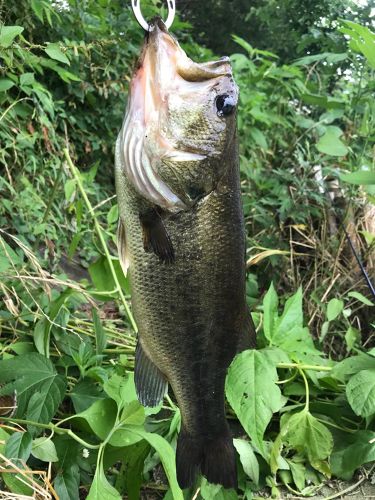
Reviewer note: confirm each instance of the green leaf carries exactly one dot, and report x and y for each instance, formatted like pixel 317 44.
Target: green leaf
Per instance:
pixel 130 478
pixel 8 34
pixel 351 452
pixel 100 336
pixel 363 38
pixel 360 392
pixel 331 144
pixel 102 278
pixel 334 308
pixel 121 389
pixel 210 491
pixel 361 298
pixel 292 315
pixel 69 189
pixel 298 471
pixel 307 435
pixel 27 79
pixel 18 446
pixel 84 394
pixel 253 394
pixel 30 374
pixel 101 417
pixel 44 449
pixel 54 52
pixel 67 479
pixel 100 487
pixel 259 137
pixel 352 365
pixel 6 84
pixel 167 457
pixel 270 316
pixel 112 215
pixel 248 459
pixel 352 336
pixel 360 178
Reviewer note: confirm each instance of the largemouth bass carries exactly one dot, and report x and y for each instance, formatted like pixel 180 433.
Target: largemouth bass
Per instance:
pixel 181 234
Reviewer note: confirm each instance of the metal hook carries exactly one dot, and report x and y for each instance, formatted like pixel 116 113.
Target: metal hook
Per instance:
pixel 136 5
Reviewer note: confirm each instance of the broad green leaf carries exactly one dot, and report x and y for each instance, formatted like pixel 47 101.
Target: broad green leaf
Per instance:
pixel 27 79
pixel 18 446
pixel 361 298
pixel 8 34
pixel 363 38
pixel 100 487
pixel 352 365
pixel 67 479
pixel 37 6
pixel 69 189
pixel 42 406
pixel 130 478
pixel 84 394
pixel 360 392
pixel 292 315
pixel 167 457
pixel 334 308
pixel 361 177
pixel 100 336
pixel 121 389
pixel 44 449
pixel 101 417
pixel 54 51
pixel 331 144
pixel 248 459
pixel 11 480
pixel 298 471
pixel 102 278
pixel 259 137
pixel 210 491
pixel 112 215
pixel 307 435
pixel 253 394
pixel 352 451
pixel 32 374
pixel 66 483
pixel 330 57
pixel 270 316
pixel 323 101
pixel 6 84
pixel 352 336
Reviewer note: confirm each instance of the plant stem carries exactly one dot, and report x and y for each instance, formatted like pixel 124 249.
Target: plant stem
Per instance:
pixel 54 428
pixel 301 366
pixel 307 404
pixel 99 231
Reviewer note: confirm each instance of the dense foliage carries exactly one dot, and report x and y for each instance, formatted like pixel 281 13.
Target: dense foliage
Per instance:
pixel 306 398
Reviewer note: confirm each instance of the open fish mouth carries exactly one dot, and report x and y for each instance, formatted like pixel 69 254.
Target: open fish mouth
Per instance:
pixel 165 78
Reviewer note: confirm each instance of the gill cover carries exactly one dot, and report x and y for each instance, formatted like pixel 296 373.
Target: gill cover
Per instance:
pixel 150 135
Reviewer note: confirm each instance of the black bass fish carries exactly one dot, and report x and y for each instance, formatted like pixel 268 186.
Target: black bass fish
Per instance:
pixel 181 234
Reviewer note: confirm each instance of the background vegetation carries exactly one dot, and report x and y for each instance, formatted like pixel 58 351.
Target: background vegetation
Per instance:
pixel 306 122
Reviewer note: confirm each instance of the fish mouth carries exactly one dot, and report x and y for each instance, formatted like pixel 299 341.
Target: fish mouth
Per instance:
pixel 163 69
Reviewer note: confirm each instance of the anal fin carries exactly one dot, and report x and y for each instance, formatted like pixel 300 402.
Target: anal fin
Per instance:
pixel 155 236
pixel 150 384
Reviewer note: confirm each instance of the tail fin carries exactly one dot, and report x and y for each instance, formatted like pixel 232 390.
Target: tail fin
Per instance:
pixel 214 458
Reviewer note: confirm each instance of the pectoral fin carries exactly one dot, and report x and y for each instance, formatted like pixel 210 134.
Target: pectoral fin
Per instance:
pixel 121 247
pixel 150 383
pixel 155 236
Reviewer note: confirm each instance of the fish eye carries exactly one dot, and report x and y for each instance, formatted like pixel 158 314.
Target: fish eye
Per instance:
pixel 225 105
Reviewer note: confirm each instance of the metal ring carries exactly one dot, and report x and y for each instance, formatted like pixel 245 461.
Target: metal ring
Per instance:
pixel 136 5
